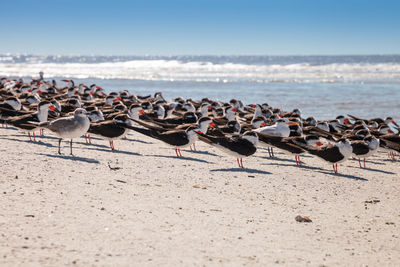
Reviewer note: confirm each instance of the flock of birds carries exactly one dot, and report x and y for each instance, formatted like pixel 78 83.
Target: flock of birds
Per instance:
pixel 73 111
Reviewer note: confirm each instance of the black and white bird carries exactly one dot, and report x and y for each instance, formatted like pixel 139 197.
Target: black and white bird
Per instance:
pixel 237 146
pixel 334 153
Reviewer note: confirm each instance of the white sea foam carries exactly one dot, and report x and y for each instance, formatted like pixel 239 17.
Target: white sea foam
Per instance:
pixel 198 71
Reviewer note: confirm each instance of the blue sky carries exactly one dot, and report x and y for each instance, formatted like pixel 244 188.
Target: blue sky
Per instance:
pixel 213 27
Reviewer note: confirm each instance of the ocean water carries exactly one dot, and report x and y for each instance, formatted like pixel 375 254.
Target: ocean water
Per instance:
pixel 321 86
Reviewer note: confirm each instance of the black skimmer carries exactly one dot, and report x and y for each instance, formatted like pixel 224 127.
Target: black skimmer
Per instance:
pixel 203 110
pixel 10 107
pixel 188 117
pixel 111 129
pixel 365 148
pixel 229 114
pixel 29 122
pixel 342 119
pixel 178 138
pixel 136 112
pixel 232 127
pixel 335 153
pixel 288 144
pixel 11 103
pixel 175 138
pixel 95 115
pixel 310 121
pixel 323 125
pixel 391 143
pixel 238 146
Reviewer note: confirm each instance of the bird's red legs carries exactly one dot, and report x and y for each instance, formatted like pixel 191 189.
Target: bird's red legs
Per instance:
pixel 391 155
pixel 194 147
pixel 178 152
pixel 364 162
pixel 298 162
pixel 41 132
pixel 87 139
pixel 240 162
pixel 359 162
pixel 29 134
pixel 112 144
pixel 335 167
pixel 34 137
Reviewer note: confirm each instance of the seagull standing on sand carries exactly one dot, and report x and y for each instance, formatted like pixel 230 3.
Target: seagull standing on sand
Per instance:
pixel 69 127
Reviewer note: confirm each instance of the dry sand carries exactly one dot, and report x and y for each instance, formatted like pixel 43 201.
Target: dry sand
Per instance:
pixel 157 209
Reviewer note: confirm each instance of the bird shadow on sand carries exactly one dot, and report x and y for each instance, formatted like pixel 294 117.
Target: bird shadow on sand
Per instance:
pixel 8 128
pixel 91 144
pixel 15 135
pixel 137 140
pixel 28 141
pixel 180 158
pixel 201 152
pixel 389 160
pixel 344 175
pixel 276 159
pixel 70 157
pixel 116 151
pixel 369 161
pixel 244 170
pixel 92 137
pixel 370 169
pixel 47 137
pixel 303 166
pixel 318 169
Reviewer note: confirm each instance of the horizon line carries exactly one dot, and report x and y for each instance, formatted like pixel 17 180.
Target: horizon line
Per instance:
pixel 213 55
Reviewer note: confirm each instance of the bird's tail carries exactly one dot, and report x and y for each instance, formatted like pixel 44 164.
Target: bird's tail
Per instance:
pixel 354 118
pixel 149 126
pixel 206 138
pixel 144 131
pixel 267 138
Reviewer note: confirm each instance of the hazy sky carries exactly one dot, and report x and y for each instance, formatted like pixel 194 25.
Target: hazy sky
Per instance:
pixel 218 27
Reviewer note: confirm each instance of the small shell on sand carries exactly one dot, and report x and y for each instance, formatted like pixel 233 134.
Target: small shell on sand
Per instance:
pixel 302 219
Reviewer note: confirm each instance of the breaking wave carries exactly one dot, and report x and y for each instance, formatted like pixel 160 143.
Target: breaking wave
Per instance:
pixel 177 69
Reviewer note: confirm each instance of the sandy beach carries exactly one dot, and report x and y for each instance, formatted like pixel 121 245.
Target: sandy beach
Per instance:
pixel 140 205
